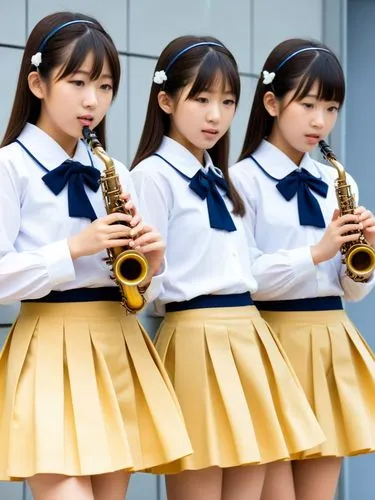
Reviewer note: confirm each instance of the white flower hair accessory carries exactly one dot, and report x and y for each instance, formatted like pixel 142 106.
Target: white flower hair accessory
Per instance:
pixel 268 77
pixel 36 59
pixel 160 77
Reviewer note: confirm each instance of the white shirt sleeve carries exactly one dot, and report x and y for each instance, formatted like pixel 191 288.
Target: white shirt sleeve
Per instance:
pixel 354 290
pixel 153 290
pixel 282 272
pixel 152 204
pixel 27 274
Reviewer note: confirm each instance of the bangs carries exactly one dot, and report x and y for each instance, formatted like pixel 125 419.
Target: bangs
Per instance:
pixel 98 45
pixel 327 73
pixel 216 67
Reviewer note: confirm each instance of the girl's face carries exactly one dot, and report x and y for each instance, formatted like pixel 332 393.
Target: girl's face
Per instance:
pixel 69 104
pixel 299 125
pixel 198 123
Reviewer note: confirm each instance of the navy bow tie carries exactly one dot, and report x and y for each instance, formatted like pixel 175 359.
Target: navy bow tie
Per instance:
pixel 76 176
pixel 302 183
pixel 205 186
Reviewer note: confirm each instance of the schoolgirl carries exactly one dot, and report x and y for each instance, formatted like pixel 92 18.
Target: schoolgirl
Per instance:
pixel 294 235
pixel 84 398
pixel 240 400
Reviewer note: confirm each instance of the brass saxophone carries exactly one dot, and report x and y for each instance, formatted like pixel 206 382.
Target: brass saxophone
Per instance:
pixel 129 267
pixel 358 256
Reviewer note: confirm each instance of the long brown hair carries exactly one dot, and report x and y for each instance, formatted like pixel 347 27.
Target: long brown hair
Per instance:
pixel 200 66
pixel 298 73
pixel 81 39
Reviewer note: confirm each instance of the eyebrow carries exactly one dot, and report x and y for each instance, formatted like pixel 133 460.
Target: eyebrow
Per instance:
pixel 315 96
pixel 227 92
pixel 88 73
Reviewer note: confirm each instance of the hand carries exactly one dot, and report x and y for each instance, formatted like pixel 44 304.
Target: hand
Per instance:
pixel 107 232
pixel 129 207
pixel 367 223
pixel 148 241
pixel 99 235
pixel 335 236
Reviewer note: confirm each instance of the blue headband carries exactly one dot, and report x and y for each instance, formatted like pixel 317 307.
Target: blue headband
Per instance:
pixel 179 54
pixel 161 76
pixel 269 77
pixel 306 49
pixel 36 59
pixel 58 28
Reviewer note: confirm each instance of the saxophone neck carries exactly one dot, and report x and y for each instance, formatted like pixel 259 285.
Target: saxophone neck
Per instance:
pixel 106 159
pixel 97 148
pixel 340 169
pixel 330 156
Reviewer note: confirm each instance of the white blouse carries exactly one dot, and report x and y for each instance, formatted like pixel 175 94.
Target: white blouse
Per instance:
pixel 279 246
pixel 201 260
pixel 35 224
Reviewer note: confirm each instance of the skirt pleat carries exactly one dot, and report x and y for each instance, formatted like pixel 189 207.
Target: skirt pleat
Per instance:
pixel 336 369
pixel 83 392
pixel 241 401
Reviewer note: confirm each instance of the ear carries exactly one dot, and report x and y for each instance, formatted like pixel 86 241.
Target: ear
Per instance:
pixel 165 102
pixel 35 84
pixel 271 103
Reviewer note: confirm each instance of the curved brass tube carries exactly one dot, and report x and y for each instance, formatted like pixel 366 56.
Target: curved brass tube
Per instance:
pixel 129 267
pixel 359 256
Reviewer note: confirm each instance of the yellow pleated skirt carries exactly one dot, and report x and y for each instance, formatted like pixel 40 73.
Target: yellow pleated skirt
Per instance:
pixel 336 369
pixel 83 392
pixel 241 401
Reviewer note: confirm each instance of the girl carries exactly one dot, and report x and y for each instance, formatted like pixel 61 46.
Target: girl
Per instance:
pixel 84 397
pixel 292 220
pixel 240 400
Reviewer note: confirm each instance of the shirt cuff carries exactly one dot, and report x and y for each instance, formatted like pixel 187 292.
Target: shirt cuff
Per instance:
pixel 154 288
pixel 302 262
pixel 58 262
pixel 371 280
pixel 355 290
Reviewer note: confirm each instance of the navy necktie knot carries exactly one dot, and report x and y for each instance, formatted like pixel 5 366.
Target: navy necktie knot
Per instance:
pixel 205 185
pixel 76 176
pixel 302 183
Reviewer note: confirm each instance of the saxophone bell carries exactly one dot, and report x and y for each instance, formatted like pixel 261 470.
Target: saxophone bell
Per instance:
pixel 360 260
pixel 130 267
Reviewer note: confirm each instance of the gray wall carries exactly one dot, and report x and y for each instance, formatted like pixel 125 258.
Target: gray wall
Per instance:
pixel 360 113
pixel 140 29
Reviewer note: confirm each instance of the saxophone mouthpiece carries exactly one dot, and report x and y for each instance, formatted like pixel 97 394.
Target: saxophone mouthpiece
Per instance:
pixel 326 151
pixel 86 132
pixel 90 137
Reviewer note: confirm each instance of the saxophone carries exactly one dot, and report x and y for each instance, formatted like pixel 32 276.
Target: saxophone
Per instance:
pixel 358 256
pixel 129 267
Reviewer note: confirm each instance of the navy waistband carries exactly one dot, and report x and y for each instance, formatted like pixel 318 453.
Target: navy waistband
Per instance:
pixel 207 301
pixel 314 304
pixel 107 293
